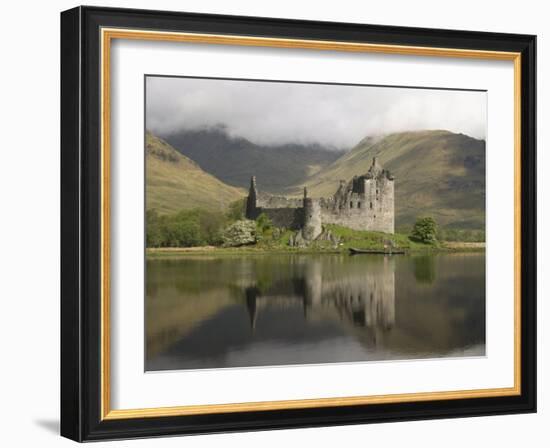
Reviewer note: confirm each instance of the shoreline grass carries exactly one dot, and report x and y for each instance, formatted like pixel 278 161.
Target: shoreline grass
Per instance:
pixel 168 252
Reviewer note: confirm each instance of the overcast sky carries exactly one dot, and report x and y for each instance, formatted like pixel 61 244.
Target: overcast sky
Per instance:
pixel 332 115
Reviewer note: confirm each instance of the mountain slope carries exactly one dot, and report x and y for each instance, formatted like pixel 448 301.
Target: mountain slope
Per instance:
pixel 437 173
pixel 174 182
pixel 235 160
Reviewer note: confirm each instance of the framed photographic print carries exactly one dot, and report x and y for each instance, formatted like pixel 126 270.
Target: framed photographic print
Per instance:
pixel 272 223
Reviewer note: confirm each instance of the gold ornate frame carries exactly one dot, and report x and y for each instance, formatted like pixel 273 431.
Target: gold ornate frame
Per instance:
pixel 107 36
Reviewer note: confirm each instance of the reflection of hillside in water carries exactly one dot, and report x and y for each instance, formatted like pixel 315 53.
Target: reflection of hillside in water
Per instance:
pixel 233 311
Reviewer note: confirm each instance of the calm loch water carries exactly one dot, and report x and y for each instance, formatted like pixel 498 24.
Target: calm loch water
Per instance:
pixel 256 310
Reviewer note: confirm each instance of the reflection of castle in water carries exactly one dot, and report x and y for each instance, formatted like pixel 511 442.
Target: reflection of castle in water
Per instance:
pixel 363 297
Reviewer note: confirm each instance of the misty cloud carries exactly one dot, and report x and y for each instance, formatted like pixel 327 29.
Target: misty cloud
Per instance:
pixel 333 115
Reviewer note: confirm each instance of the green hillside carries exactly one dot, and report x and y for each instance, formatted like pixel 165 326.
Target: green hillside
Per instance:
pixel 174 182
pixel 437 173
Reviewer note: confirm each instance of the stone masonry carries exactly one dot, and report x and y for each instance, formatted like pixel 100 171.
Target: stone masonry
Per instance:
pixel 366 202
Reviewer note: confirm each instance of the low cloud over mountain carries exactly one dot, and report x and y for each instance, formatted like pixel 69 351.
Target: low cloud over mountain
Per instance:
pixel 278 113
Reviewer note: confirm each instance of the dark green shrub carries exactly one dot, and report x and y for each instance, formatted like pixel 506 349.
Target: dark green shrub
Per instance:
pixel 425 231
pixel 263 223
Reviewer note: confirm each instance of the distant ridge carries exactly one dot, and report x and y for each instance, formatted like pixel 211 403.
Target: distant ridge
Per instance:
pixel 233 160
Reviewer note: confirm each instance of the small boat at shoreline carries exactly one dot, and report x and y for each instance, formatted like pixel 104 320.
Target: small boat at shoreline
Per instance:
pixel 354 251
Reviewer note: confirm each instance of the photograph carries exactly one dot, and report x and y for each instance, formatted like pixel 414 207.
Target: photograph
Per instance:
pixel 300 223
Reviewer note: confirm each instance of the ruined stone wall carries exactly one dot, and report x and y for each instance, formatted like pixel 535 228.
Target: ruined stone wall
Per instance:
pixel 290 218
pixel 283 212
pixel 268 202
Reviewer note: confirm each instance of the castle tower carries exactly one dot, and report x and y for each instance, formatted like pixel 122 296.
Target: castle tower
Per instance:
pixel 312 218
pixel 251 201
pixel 379 198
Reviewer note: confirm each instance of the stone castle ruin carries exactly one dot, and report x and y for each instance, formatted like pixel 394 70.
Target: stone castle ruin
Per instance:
pixel 366 202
